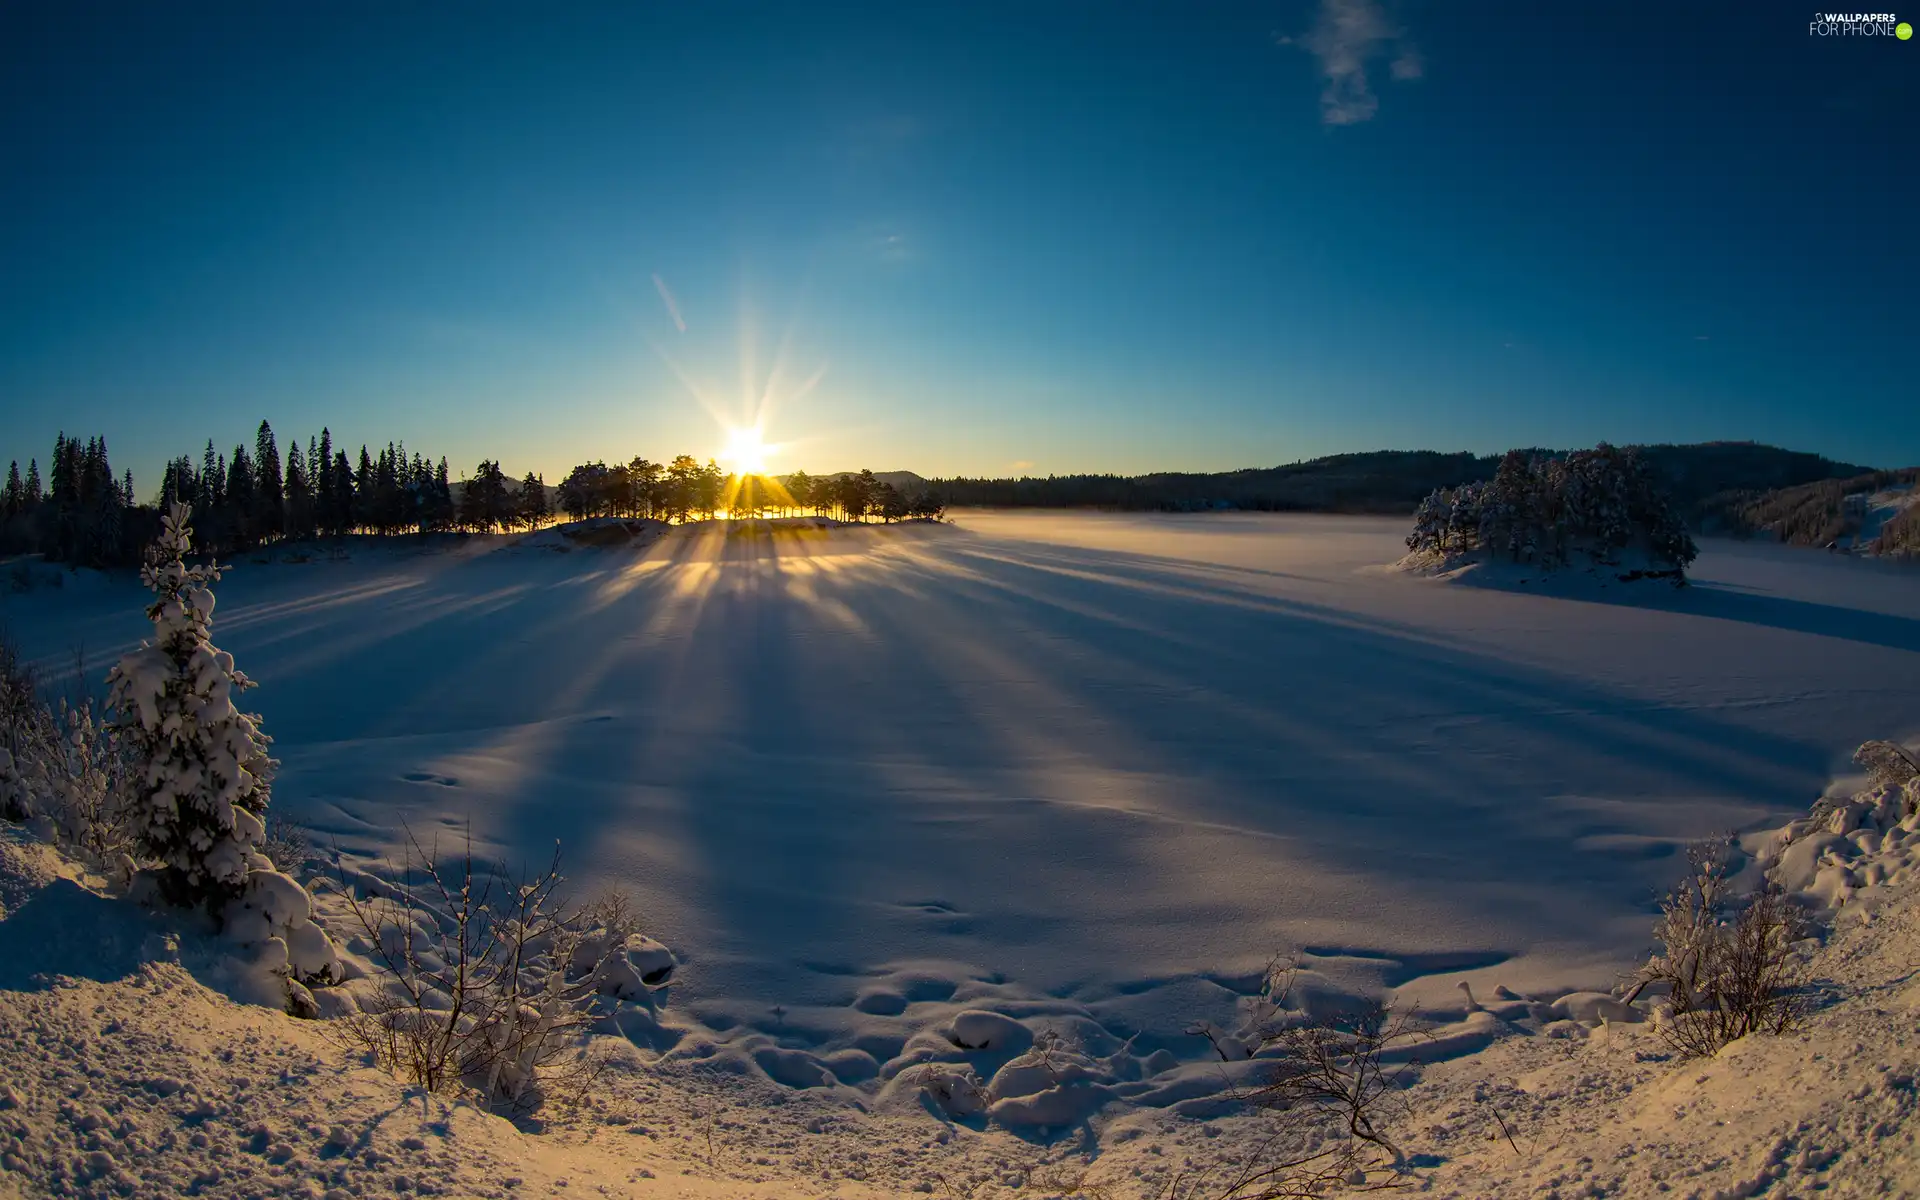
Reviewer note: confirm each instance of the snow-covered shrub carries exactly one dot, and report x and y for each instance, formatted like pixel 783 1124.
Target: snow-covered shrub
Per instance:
pixel 486 983
pixel 1602 506
pixel 62 767
pixel 24 723
pixel 1725 964
pixel 201 770
pixel 1894 769
pixel 81 772
pixel 286 845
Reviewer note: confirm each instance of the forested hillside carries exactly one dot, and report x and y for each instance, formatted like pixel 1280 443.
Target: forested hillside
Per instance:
pixel 1385 481
pixel 1873 506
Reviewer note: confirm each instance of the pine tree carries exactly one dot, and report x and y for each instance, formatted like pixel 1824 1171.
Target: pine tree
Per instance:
pixel 240 503
pixel 58 534
pixel 213 477
pixel 15 500
pixel 103 507
pixel 441 513
pixel 201 770
pixel 365 501
pixel 33 483
pixel 300 509
pixel 324 500
pixel 342 494
pixel 484 504
pixel 269 487
pixel 533 500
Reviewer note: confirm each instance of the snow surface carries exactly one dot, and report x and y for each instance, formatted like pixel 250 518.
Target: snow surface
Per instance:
pixel 955 831
pixel 1088 771
pixel 125 1076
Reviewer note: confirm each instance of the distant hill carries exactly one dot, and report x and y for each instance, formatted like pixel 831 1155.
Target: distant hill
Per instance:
pixel 1382 481
pixel 906 481
pixel 1872 510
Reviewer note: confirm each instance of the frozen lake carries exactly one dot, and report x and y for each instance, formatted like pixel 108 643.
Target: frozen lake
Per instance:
pixel 1107 762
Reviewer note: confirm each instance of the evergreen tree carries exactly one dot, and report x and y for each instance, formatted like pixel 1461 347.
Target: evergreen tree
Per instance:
pixel 533 500
pixel 15 501
pixel 59 538
pixel 33 483
pixel 389 501
pixel 240 499
pixel 366 502
pixel 484 504
pixel 103 506
pixel 324 501
pixel 342 494
pixel 201 772
pixel 300 507
pixel 440 513
pixel 213 481
pixel 269 489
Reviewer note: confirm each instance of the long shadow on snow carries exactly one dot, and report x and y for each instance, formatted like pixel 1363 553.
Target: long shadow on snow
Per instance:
pixel 904 680
pixel 1371 787
pixel 1741 604
pixel 64 929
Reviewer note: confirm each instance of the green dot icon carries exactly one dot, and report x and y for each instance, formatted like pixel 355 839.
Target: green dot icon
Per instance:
pixel 1903 31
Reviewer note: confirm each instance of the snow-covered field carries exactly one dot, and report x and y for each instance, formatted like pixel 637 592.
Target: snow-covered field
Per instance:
pixel 1090 765
pixel 1087 771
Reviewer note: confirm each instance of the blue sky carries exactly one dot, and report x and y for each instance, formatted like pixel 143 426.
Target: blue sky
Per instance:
pixel 975 238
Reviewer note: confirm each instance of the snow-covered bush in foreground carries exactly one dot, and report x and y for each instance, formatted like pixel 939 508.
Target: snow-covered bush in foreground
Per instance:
pixel 62 768
pixel 201 766
pixel 1725 965
pixel 1600 507
pixel 486 983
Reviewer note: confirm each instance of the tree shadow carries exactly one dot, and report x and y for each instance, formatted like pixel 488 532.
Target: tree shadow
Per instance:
pixel 1723 602
pixel 64 929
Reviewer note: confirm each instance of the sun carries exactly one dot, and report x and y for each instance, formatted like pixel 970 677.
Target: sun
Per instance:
pixel 745 452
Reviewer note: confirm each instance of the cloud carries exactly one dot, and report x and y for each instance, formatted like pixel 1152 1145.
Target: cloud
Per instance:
pixel 1346 36
pixel 673 306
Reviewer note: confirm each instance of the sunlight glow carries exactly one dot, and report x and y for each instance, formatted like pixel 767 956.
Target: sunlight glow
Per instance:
pixel 745 454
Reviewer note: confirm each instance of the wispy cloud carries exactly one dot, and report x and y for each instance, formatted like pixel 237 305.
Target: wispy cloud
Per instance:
pixel 673 306
pixel 1346 36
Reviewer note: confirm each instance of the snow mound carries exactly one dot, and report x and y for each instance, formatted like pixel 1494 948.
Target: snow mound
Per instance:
pixel 600 532
pixel 1483 569
pixel 1857 837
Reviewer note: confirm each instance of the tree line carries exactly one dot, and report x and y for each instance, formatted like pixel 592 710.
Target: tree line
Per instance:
pixel 82 515
pixel 1389 481
pixel 682 488
pixel 257 496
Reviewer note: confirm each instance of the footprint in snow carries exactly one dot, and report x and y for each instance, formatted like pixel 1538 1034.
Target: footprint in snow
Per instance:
pixel 430 777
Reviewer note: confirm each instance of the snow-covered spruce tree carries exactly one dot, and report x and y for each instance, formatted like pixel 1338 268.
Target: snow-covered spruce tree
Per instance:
pixel 200 767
